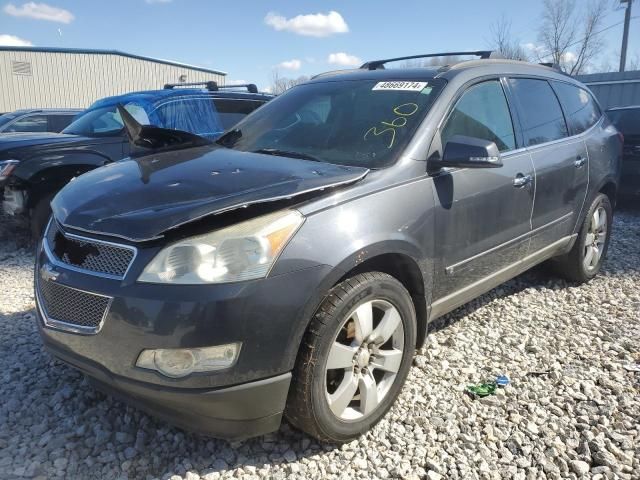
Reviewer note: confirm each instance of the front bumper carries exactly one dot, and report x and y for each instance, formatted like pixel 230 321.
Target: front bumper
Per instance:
pixel 268 316
pixel 232 413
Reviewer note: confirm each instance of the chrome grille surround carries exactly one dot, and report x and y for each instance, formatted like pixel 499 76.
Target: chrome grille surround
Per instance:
pixel 103 258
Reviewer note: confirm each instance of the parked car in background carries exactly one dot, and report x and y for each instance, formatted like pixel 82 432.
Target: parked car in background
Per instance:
pixel 37 120
pixel 33 167
pixel 294 267
pixel 627 121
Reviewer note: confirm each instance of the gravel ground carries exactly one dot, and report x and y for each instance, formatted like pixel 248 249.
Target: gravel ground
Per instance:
pixel 571 410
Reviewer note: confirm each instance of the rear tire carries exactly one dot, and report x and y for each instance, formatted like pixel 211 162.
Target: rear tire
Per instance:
pixel 584 260
pixel 354 358
pixel 40 217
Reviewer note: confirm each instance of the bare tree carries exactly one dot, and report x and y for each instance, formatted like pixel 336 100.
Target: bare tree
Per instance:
pixel 504 42
pixel 280 84
pixel 634 62
pixel 571 38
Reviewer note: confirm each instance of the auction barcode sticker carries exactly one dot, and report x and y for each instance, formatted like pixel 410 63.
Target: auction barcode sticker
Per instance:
pixel 406 86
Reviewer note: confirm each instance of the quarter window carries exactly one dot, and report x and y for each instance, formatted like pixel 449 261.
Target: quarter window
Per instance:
pixel 581 110
pixel 482 112
pixel 540 112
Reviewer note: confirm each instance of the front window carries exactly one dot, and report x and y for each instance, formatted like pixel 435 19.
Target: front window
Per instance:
pixel 105 121
pixel 350 122
pixel 30 123
pixel 482 112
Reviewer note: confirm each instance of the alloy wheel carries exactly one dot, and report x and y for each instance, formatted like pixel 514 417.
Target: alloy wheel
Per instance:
pixel 364 360
pixel 595 239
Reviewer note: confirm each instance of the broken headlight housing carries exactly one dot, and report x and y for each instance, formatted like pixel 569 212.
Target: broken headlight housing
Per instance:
pixel 244 251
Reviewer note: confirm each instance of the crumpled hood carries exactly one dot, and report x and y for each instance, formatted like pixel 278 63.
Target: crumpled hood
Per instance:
pixel 140 199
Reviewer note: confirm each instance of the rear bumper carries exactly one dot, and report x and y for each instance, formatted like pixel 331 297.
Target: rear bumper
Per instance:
pixel 232 413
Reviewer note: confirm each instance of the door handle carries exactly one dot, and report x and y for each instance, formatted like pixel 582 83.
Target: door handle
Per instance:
pixel 521 180
pixel 580 161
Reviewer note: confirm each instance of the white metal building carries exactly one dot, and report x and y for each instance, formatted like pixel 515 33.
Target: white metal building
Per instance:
pixel 37 77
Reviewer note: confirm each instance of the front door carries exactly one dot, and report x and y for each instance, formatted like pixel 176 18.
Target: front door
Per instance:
pixel 483 216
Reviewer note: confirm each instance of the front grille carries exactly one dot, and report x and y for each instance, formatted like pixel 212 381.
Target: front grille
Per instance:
pixel 71 306
pixel 90 255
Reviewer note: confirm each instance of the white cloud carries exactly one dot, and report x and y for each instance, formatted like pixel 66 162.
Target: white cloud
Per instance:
pixel 569 57
pixel 344 59
pixel 40 11
pixel 13 41
pixel 312 25
pixel 293 64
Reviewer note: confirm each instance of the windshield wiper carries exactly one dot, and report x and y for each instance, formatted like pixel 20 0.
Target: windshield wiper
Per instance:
pixel 230 138
pixel 286 153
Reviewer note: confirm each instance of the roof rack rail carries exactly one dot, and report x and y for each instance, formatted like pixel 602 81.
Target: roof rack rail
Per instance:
pixel 378 64
pixel 212 86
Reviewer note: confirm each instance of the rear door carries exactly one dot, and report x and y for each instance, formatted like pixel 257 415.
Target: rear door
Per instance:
pixel 483 215
pixel 560 161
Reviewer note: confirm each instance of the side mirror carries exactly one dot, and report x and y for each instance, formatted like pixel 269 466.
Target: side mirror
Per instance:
pixel 469 152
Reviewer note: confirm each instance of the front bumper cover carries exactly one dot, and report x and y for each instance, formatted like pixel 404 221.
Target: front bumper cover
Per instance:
pixel 232 413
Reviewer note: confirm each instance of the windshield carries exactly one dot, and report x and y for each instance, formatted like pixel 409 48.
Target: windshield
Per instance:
pixel 104 121
pixel 350 122
pixel 626 120
pixel 6 118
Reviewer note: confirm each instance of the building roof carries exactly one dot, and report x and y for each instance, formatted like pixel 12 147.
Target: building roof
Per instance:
pixel 91 51
pixel 614 89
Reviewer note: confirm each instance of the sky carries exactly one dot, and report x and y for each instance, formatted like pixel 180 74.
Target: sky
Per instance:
pixel 249 39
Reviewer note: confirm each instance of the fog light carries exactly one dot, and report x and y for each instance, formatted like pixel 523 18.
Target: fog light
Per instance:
pixel 180 362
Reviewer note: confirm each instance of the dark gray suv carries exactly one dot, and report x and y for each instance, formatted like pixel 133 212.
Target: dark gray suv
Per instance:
pixel 294 266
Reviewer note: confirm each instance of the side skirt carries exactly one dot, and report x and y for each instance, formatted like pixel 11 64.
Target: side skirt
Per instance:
pixel 454 300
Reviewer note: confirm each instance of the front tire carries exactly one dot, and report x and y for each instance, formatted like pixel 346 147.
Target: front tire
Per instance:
pixel 40 217
pixel 585 259
pixel 354 359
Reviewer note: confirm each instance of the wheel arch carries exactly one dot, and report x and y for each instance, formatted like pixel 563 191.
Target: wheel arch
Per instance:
pixel 400 259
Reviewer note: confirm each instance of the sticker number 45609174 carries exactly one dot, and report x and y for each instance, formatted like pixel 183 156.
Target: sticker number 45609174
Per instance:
pixel 398 85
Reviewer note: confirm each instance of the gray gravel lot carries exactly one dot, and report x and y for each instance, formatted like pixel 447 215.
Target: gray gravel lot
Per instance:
pixel 571 411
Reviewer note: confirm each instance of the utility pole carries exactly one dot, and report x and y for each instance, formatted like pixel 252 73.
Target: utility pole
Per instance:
pixel 625 34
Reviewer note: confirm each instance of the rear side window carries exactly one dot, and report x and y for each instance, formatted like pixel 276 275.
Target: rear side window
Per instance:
pixel 581 110
pixel 482 112
pixel 31 123
pixel 194 115
pixel 59 122
pixel 232 110
pixel 540 113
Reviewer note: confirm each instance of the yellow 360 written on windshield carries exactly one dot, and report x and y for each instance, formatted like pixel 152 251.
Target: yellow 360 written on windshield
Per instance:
pixel 389 128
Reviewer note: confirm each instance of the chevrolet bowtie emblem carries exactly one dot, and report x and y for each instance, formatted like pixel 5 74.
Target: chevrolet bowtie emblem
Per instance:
pixel 48 273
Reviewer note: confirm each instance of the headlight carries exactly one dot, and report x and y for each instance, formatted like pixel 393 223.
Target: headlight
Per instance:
pixel 7 167
pixel 180 362
pixel 244 251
